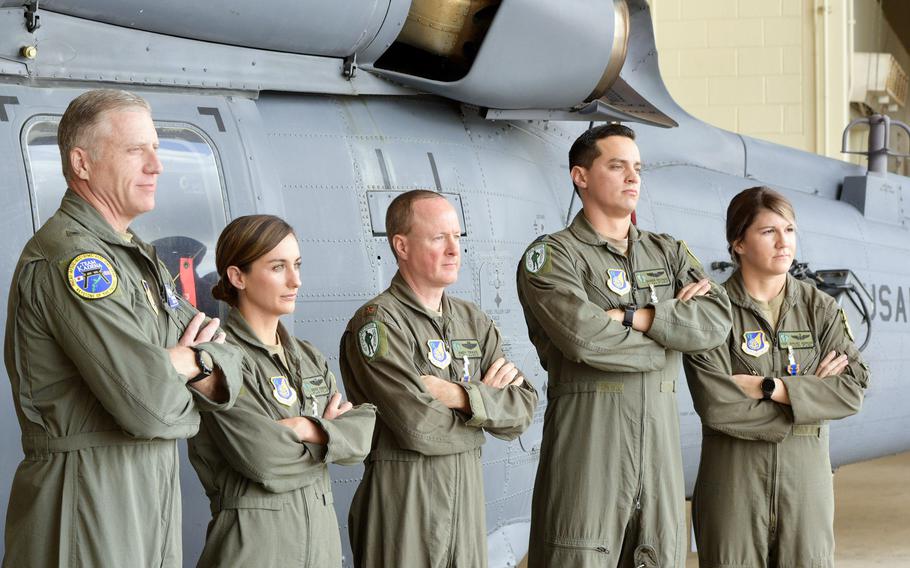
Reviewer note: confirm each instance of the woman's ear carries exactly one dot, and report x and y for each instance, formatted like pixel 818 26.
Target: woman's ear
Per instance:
pixel 236 277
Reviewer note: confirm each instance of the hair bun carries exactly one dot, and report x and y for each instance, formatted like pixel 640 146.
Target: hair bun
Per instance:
pixel 220 292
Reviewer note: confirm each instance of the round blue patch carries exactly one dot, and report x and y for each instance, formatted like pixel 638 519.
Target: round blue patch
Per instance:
pixel 92 276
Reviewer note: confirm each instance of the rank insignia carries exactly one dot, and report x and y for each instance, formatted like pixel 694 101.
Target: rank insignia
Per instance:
pixel 537 258
pixel 372 340
pixel 282 391
pixel 617 281
pixel 755 343
pixel 439 356
pixel 92 276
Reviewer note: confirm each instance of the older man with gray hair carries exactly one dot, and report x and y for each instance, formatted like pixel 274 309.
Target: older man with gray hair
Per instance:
pixel 108 365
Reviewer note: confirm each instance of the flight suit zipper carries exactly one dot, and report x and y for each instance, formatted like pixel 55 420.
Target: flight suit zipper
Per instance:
pixel 627 264
pixel 775 448
pixel 599 549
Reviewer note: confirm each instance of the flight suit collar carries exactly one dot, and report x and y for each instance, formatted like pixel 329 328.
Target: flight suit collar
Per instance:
pixel 736 290
pixel 403 293
pixel 583 231
pixel 83 213
pixel 242 331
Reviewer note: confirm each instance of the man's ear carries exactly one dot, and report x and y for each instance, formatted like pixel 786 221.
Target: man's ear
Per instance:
pixel 80 163
pixel 400 244
pixel 579 177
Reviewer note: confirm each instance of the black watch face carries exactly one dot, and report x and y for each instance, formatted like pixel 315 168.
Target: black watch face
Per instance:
pixel 767 386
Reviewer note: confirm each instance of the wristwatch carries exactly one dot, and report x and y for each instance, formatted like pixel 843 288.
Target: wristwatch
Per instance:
pixel 629 315
pixel 767 388
pixel 205 363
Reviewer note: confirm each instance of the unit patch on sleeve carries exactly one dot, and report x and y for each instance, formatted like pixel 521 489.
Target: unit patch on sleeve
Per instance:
pixel 92 276
pixel 372 340
pixel 692 258
pixel 466 348
pixel 796 339
pixel 652 277
pixel 315 386
pixel 537 259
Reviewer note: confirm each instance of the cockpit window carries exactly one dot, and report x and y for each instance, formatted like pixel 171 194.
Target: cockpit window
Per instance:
pixel 190 206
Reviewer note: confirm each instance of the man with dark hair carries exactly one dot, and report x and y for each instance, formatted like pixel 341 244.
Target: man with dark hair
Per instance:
pixel 108 366
pixel 609 309
pixel 434 367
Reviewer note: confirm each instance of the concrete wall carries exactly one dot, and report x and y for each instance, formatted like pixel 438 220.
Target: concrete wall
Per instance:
pixel 778 70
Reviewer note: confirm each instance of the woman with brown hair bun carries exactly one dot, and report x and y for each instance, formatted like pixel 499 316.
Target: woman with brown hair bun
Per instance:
pixel 764 494
pixel 264 463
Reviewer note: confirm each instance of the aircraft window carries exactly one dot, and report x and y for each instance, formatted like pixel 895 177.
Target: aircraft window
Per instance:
pixel 190 206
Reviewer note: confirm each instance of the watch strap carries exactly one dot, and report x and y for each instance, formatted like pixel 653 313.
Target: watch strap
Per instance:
pixel 205 364
pixel 629 315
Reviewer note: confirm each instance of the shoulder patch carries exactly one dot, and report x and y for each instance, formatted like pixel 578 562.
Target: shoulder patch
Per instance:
pixel 92 276
pixel 847 329
pixel 537 258
pixel 373 340
pixel 692 258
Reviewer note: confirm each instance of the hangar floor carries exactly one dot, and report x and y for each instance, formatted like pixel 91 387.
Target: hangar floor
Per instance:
pixel 872 514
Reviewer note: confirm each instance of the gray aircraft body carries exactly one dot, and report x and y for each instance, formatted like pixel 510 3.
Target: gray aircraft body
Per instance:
pixel 322 112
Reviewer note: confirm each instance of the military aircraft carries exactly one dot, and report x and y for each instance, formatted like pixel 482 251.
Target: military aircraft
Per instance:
pixel 322 112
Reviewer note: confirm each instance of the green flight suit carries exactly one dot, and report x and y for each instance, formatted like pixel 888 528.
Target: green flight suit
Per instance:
pixel 764 493
pixel 609 488
pixel 271 496
pixel 421 501
pixel 100 405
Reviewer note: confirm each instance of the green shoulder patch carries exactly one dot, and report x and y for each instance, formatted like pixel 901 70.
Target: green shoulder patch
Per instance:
pixel 847 329
pixel 373 340
pixel 466 348
pixel 537 259
pixel 92 276
pixel 692 258
pixel 796 339
pixel 652 277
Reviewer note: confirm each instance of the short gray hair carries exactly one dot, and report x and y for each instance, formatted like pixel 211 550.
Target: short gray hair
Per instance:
pixel 79 124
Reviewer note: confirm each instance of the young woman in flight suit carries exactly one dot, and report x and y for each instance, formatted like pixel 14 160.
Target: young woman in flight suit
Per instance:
pixel 764 493
pixel 264 464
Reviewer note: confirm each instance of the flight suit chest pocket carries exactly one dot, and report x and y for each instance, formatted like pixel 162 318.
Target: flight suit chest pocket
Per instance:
pixel 599 295
pixel 466 359
pixel 145 308
pixel 653 285
pixel 284 395
pixel 799 351
pixel 315 391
